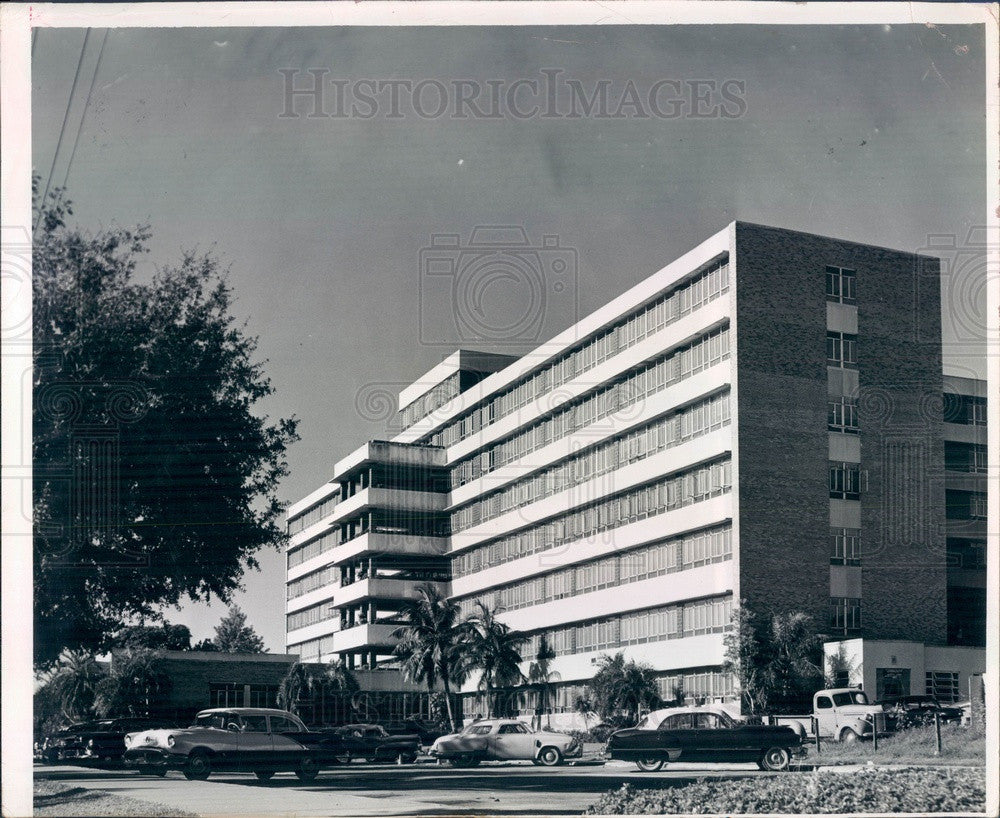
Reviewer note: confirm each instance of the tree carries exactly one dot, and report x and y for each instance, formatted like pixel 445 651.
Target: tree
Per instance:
pixel 234 635
pixel 542 677
pixel 155 637
pixel 584 706
pixel 138 685
pixel 428 647
pixel 774 659
pixel 620 686
pixel 492 648
pixel 74 683
pixel 309 682
pixel 205 645
pixel 144 394
pixel 840 668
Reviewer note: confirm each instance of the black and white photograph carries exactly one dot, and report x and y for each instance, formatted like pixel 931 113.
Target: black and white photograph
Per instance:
pixel 500 408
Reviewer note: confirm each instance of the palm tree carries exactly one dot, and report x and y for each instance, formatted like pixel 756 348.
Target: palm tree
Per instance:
pixel 541 677
pixel 428 646
pixel 619 685
pixel 295 687
pixel 75 682
pixel 304 682
pixel 493 650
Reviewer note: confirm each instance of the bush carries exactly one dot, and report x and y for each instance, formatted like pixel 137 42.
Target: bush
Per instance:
pixel 872 790
pixel 915 745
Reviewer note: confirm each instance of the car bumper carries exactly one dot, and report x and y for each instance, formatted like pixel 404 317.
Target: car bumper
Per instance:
pixel 153 757
pixel 573 752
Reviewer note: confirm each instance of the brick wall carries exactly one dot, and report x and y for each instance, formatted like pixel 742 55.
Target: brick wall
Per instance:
pixel 192 672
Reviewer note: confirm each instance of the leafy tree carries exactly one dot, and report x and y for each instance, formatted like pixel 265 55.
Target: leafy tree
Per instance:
pixel 428 649
pixel 138 685
pixel 234 635
pixel 585 707
pixel 311 682
pixel 840 668
pixel 154 637
pixel 492 648
pixel 542 677
pixel 145 390
pixel 623 687
pixel 774 659
pixel 74 684
pixel 205 645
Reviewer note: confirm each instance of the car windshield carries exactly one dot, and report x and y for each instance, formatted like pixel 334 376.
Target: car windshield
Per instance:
pixel 477 729
pixel 211 720
pixel 853 697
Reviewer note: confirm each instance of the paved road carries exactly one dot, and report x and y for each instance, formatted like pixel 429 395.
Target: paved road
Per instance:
pixel 370 790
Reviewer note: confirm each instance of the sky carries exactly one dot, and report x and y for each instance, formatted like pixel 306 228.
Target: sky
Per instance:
pixel 869 133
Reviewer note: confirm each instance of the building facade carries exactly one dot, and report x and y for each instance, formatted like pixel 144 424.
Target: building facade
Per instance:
pixel 760 420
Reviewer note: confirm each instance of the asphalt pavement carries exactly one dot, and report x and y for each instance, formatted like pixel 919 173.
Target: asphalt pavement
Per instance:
pixel 360 789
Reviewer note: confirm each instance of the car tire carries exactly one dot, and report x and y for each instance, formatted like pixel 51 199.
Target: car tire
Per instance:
pixel 550 756
pixel 848 736
pixel 264 775
pixel 650 765
pixel 342 758
pixel 198 766
pixel 307 770
pixel 464 760
pixel 776 759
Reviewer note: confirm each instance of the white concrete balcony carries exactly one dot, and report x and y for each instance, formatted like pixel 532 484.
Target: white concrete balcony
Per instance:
pixel 395 499
pixel 314 597
pixel 378 542
pixel 383 588
pixel 964 433
pixel 383 451
pixel 364 637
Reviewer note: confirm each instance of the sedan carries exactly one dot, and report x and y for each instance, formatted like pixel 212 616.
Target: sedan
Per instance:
pixel 505 740
pixel 243 739
pixel 705 735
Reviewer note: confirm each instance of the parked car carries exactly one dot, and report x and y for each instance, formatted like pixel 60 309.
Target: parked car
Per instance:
pixel 97 743
pixel 240 739
pixel 505 740
pixel 706 734
pixel 916 711
pixel 373 742
pixel 425 731
pixel 842 713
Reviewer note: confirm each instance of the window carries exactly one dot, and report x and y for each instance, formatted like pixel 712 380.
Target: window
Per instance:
pixel 682 721
pixel 845 546
pixel 978 506
pixel 479 730
pixel 845 481
pixel 282 724
pixel 841 350
pixel 842 415
pixel 255 724
pixel 512 728
pixel 840 285
pixel 845 614
pixel 823 703
pixel 225 695
pixel 943 686
pixel 263 696
pixel 708 721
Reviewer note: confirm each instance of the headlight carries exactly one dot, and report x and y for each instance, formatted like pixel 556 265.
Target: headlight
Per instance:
pixel 170 741
pixel 90 744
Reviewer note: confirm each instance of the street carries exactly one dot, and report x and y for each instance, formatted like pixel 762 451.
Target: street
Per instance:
pixel 360 789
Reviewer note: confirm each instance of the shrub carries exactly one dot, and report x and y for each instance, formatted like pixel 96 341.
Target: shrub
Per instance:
pixel 871 790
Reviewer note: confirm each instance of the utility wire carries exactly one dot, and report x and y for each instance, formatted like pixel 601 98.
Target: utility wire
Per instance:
pixel 86 105
pixel 62 130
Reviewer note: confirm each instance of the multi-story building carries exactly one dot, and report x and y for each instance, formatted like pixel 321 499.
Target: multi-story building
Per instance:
pixel 761 420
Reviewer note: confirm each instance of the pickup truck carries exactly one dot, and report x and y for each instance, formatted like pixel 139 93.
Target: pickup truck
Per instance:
pixel 843 714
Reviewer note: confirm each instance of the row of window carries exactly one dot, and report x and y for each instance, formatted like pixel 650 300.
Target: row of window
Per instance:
pixel 311 650
pixel 313 515
pixel 240 695
pixel 965 505
pixel 330 575
pixel 696 420
pixel 676 621
pixel 665 310
pixel 845 614
pixel 677 491
pixel 965 457
pixel 842 415
pixel 669 556
pixel 942 685
pixel 841 285
pixel 310 616
pixel 650 378
pixel 842 350
pixel 845 481
pixel 845 546
pixel 964 409
pixel 430 401
pixel 314 548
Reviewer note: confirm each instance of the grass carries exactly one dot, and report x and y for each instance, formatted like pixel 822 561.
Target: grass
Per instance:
pixel 959 745
pixel 52 799
pixel 921 791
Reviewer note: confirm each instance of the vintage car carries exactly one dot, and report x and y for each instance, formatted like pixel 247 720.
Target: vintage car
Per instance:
pixel 917 711
pixel 96 743
pixel 425 731
pixel 239 739
pixel 706 734
pixel 505 740
pixel 373 742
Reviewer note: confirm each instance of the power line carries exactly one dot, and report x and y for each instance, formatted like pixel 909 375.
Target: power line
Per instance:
pixel 86 105
pixel 62 130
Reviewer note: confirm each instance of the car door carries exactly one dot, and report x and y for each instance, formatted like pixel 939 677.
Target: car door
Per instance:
pixel 254 745
pixel 675 733
pixel 826 716
pixel 286 749
pixel 512 741
pixel 711 740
